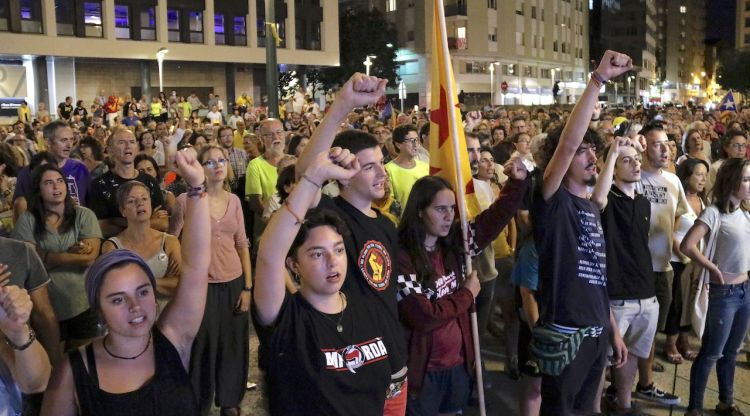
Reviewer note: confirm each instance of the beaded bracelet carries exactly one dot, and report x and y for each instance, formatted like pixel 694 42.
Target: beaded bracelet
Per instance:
pixel 32 338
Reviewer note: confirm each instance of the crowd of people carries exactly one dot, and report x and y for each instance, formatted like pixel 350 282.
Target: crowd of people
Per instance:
pixel 139 242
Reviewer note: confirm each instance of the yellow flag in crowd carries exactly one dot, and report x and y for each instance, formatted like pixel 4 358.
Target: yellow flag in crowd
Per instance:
pixel 448 155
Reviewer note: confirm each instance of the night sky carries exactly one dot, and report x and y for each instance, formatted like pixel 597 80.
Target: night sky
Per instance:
pixel 720 18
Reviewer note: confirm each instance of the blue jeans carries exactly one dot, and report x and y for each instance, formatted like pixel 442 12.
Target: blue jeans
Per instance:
pixel 726 325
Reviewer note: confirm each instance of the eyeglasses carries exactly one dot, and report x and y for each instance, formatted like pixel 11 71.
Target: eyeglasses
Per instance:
pixel 739 145
pixel 410 140
pixel 213 164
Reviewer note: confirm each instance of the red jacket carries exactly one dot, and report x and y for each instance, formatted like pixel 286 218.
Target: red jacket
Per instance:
pixel 423 310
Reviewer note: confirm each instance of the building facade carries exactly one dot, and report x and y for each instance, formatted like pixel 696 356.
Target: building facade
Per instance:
pixel 742 24
pixel 504 52
pixel 668 51
pixel 81 48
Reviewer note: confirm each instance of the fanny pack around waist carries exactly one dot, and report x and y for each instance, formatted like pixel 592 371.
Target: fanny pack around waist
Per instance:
pixel 552 351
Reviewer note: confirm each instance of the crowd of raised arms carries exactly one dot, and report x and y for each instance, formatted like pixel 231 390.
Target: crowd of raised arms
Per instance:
pixel 141 243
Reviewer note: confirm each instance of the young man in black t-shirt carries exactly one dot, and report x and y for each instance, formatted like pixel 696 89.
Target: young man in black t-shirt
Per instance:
pixel 631 283
pixel 371 244
pixel 122 148
pixel 65 109
pixel 571 249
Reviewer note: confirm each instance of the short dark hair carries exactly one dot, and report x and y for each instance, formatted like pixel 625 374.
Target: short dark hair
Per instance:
pixel 654 125
pixel 49 130
pixel 424 130
pixel 400 132
pixel 94 145
pixel 286 177
pixel 317 217
pixel 726 138
pixel 355 141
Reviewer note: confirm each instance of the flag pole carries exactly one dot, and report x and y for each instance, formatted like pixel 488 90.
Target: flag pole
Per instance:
pixel 460 192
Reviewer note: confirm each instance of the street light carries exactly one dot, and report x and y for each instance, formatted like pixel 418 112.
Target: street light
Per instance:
pixel 160 60
pixel 368 63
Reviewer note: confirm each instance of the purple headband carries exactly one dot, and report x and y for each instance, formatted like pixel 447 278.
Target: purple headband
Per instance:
pixel 103 264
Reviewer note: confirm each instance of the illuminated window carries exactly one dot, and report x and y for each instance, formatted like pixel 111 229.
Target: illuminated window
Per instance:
pixel 683 9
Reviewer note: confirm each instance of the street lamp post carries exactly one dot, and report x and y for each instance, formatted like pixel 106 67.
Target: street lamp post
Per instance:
pixel 368 63
pixel 492 84
pixel 160 60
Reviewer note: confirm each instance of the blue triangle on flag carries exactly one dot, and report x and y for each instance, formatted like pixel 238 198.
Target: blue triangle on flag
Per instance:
pixel 727 104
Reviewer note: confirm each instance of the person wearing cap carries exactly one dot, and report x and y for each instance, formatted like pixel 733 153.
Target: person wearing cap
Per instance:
pixel 140 366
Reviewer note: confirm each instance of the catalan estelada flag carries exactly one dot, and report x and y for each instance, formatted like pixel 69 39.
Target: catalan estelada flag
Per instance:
pixel 448 156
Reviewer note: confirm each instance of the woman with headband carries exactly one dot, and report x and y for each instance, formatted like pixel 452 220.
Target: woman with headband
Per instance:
pixel 140 366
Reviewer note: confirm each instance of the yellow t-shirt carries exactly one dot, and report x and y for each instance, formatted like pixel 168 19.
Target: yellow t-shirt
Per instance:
pixel 260 178
pixel 237 140
pixel 402 180
pixel 156 109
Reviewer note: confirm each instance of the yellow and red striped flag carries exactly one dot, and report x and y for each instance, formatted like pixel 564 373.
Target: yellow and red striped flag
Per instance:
pixel 448 156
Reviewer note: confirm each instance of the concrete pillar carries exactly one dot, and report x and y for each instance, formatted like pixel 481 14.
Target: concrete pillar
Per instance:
pixel 108 19
pixel 250 21
pixel 209 33
pixel 145 68
pixel 291 27
pixel 162 30
pixel 230 71
pixel 49 20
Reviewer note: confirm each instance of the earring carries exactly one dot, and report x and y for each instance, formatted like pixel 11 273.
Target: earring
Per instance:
pixel 296 278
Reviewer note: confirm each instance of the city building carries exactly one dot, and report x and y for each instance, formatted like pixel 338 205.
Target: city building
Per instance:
pixel 507 52
pixel 742 24
pixel 668 51
pixel 50 49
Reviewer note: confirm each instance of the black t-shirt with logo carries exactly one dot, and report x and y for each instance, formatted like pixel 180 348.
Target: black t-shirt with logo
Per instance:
pixel 626 224
pixel 371 254
pixel 65 110
pixel 572 260
pixel 311 369
pixel 103 194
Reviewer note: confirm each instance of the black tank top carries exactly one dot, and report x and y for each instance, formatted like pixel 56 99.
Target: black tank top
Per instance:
pixel 169 392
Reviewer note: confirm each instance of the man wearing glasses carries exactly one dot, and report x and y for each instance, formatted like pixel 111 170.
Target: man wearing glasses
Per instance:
pixel 261 174
pixel 405 169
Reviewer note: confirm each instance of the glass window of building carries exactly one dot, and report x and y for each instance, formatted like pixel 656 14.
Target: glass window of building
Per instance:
pixel 122 21
pixel 196 26
pixel 65 17
pixel 280 12
pixel 307 25
pixel 31 18
pixel 173 24
pixel 92 19
pixel 148 23
pixel 4 12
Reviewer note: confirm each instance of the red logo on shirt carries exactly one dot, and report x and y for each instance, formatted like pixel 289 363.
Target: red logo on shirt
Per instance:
pixel 355 356
pixel 375 264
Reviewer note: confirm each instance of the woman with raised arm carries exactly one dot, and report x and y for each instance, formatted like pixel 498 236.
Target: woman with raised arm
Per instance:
pixel 140 366
pixel 221 350
pixel 323 353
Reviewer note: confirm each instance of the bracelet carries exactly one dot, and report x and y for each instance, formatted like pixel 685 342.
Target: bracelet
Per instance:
pixel 299 221
pixel 197 191
pixel 304 176
pixel 247 289
pixel 32 338
pixel 598 77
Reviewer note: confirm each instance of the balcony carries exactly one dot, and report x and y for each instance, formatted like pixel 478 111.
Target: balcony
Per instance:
pixel 455 10
pixel 457 43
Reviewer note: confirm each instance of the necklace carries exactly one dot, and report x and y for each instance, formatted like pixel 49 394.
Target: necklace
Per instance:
pixel 339 326
pixel 104 344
